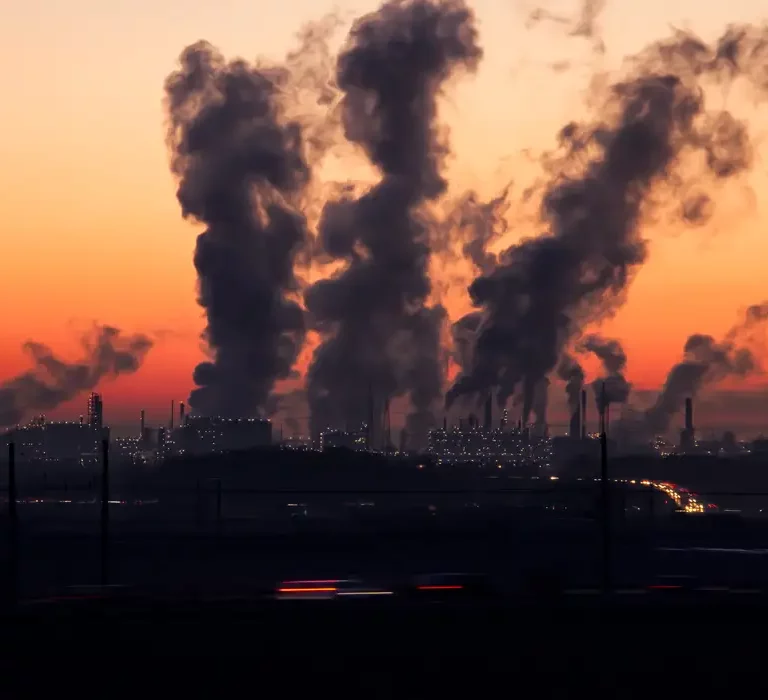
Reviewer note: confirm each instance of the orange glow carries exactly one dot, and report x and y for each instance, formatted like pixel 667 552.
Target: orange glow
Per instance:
pixel 92 229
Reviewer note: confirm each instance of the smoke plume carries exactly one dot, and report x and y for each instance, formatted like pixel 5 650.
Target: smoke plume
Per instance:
pixel 612 387
pixel 584 24
pixel 545 290
pixel 53 381
pixel 706 361
pixel 572 374
pixel 241 167
pixel 378 334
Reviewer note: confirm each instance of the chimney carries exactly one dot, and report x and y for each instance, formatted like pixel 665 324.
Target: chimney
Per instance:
pixel 583 414
pixel 574 429
pixel 445 424
pixel 170 423
pixel 489 412
pixel 181 413
pixel 141 429
pixel 689 415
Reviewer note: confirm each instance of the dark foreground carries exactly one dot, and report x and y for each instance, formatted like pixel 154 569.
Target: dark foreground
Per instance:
pixel 241 563
pixel 646 646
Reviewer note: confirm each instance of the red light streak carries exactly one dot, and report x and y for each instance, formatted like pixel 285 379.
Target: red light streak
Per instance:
pixel 440 588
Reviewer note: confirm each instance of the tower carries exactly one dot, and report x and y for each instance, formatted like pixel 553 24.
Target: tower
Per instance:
pixel 142 425
pixel 95 411
pixel 574 429
pixel 181 413
pixel 170 422
pixel 583 414
pixel 488 422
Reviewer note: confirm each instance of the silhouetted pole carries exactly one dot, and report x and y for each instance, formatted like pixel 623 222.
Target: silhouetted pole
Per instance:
pixel 605 493
pixel 13 528
pixel 218 502
pixel 104 512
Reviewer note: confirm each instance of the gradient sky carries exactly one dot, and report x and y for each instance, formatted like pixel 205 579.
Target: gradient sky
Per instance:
pixel 92 229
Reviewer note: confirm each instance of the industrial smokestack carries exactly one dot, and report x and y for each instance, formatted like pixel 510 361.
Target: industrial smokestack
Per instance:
pixel 143 425
pixel 583 414
pixel 689 415
pixel 181 413
pixel 489 412
pixel 170 423
pixel 574 429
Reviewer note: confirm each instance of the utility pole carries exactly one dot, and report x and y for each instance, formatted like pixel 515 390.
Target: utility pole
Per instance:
pixel 105 512
pixel 605 496
pixel 13 528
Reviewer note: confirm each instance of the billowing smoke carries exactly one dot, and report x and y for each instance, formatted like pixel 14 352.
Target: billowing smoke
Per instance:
pixel 378 334
pixel 545 290
pixel 706 361
pixel 572 374
pixel 612 387
pixel 53 381
pixel 241 168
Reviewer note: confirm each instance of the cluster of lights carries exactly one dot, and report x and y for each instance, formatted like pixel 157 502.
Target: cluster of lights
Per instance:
pixel 477 444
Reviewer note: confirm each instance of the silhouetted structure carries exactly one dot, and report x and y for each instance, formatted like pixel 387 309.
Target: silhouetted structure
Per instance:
pixel 95 411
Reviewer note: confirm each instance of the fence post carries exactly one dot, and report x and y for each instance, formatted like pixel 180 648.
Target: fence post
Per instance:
pixel 13 528
pixel 218 503
pixel 105 512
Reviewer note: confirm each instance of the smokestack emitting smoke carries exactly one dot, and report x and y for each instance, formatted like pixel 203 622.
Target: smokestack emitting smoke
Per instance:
pixel 181 413
pixel 583 414
pixel 706 361
pixel 241 166
pixel 545 290
pixel 53 381
pixel 689 415
pixel 373 317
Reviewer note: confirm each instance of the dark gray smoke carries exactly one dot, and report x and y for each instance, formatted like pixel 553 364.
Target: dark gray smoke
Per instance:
pixel 572 374
pixel 584 24
pixel 53 381
pixel 613 386
pixel 706 361
pixel 377 331
pixel 475 223
pixel 545 290
pixel 241 168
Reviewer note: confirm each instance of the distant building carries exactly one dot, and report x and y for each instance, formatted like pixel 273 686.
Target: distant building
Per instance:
pixel 57 442
pixel 351 440
pixel 475 444
pixel 202 435
pixel 95 411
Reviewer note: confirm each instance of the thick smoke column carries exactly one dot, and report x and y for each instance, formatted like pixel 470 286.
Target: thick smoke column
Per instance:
pixel 706 361
pixel 376 328
pixel 612 387
pixel 52 381
pixel 572 374
pixel 241 168
pixel 546 289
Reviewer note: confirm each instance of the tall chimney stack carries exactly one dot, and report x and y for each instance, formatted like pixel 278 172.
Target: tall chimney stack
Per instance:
pixel 170 423
pixel 142 426
pixel 574 430
pixel 489 412
pixel 181 413
pixel 689 415
pixel 583 414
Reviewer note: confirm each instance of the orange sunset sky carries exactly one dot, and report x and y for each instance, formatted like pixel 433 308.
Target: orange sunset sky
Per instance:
pixel 91 230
